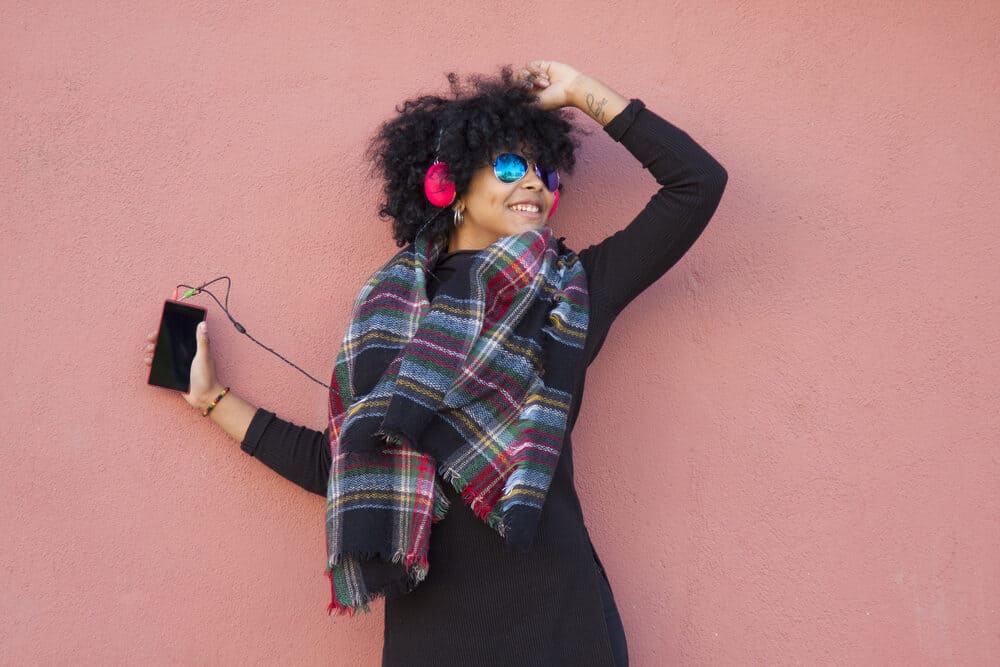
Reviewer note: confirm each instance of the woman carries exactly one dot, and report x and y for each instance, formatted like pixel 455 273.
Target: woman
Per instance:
pixel 463 369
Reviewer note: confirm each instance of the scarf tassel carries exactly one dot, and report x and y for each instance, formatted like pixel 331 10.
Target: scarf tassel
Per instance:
pixel 415 571
pixel 482 507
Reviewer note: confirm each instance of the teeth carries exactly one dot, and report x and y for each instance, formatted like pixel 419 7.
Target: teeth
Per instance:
pixel 529 208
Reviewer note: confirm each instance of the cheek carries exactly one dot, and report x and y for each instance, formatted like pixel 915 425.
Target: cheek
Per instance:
pixel 497 199
pixel 488 198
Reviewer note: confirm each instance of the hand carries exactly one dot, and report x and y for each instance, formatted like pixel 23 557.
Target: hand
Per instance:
pixel 205 385
pixel 551 82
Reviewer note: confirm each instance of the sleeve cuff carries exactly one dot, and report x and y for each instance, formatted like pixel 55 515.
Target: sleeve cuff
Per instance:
pixel 620 124
pixel 260 420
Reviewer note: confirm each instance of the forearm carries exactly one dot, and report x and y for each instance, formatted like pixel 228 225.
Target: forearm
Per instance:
pixel 595 99
pixel 296 453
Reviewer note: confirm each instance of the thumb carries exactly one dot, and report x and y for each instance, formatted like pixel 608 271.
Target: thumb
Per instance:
pixel 202 368
pixel 202 335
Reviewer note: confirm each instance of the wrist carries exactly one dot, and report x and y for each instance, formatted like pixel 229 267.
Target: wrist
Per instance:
pixel 596 99
pixel 576 91
pixel 211 406
pixel 204 400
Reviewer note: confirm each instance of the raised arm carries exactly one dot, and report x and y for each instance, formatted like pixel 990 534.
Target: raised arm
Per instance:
pixel 691 183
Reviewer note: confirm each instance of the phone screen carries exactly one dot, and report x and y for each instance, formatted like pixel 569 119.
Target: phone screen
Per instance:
pixel 175 346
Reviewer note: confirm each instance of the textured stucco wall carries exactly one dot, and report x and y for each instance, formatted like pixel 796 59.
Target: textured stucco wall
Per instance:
pixel 804 460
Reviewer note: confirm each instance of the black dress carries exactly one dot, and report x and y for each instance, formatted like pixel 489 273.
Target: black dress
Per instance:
pixel 481 604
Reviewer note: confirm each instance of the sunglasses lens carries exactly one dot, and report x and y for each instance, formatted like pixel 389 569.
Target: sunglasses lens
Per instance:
pixel 509 167
pixel 550 177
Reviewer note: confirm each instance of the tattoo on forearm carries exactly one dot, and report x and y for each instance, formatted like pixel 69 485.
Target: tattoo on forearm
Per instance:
pixel 595 108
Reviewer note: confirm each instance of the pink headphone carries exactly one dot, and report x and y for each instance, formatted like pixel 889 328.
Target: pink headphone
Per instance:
pixel 438 186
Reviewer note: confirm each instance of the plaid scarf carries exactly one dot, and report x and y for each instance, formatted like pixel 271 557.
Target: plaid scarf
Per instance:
pixel 474 386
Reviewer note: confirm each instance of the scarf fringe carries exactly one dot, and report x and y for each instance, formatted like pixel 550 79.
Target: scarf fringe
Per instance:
pixel 395 589
pixel 415 571
pixel 398 557
pixel 486 512
pixel 441 507
pixel 394 439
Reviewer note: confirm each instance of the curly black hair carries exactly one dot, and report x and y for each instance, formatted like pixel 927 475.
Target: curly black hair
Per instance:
pixel 482 117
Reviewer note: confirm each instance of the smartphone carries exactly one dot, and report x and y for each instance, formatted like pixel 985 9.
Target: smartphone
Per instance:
pixel 175 346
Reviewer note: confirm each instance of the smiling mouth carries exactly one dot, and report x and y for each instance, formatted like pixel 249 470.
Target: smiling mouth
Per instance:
pixel 526 208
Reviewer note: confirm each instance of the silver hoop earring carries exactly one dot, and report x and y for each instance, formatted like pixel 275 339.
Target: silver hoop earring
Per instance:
pixel 458 219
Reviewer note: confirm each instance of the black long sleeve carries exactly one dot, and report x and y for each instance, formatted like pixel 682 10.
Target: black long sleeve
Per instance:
pixel 618 269
pixel 297 453
pixel 624 264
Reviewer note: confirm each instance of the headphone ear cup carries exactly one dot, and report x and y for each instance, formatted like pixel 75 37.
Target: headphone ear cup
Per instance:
pixel 555 202
pixel 438 186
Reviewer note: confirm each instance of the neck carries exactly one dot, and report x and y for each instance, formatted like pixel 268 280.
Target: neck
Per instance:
pixel 463 239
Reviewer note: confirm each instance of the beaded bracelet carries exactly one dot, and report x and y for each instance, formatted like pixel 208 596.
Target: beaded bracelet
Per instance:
pixel 204 413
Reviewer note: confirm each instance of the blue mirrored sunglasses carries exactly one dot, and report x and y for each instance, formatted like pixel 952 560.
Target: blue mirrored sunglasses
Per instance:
pixel 511 167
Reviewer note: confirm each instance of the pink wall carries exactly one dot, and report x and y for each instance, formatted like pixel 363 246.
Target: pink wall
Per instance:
pixel 810 448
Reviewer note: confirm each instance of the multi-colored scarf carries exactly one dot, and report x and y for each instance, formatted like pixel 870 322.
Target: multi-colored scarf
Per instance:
pixel 474 386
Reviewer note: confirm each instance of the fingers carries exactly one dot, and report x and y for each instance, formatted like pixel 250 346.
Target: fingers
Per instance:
pixel 539 68
pixel 534 74
pixel 533 80
pixel 149 348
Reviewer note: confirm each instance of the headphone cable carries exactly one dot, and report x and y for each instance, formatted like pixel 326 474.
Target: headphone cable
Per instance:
pixel 191 291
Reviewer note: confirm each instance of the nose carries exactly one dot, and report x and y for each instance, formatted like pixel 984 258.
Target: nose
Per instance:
pixel 531 179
